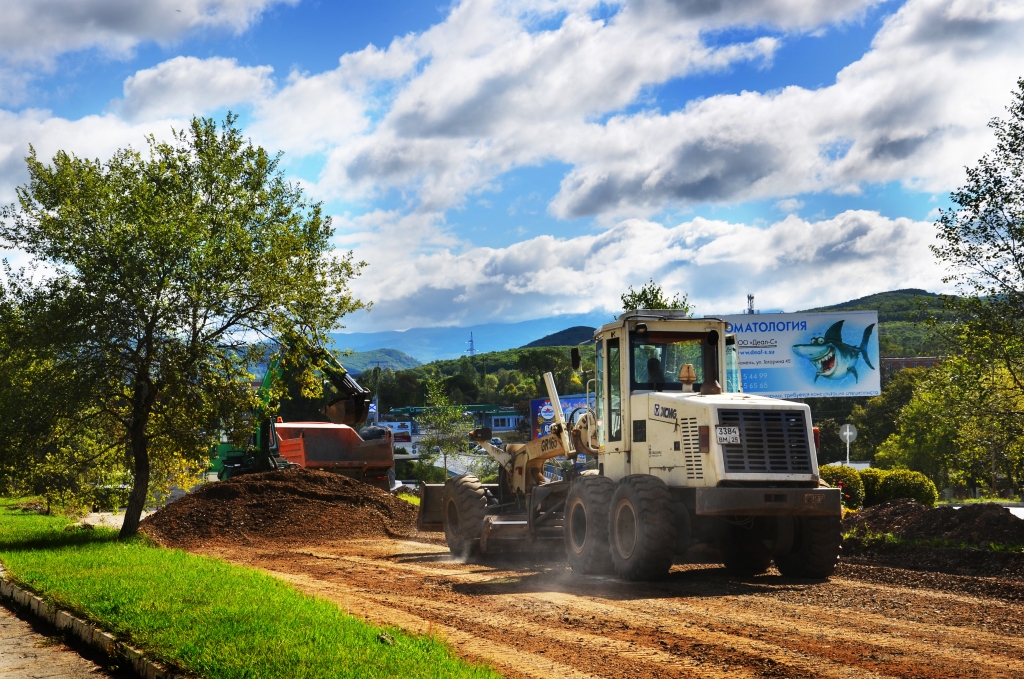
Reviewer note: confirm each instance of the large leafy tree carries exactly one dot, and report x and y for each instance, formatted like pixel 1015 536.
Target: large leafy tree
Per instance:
pixel 982 243
pixel 157 277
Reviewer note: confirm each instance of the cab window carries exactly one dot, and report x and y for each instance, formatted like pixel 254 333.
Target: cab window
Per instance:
pixel 658 358
pixel 599 360
pixel 614 392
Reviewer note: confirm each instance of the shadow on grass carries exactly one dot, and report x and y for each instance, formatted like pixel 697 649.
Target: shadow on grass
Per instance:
pixel 52 539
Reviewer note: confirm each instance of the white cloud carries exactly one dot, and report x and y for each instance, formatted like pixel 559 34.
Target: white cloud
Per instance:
pixel 184 86
pixel 791 264
pixel 788 205
pixel 39 29
pixel 88 137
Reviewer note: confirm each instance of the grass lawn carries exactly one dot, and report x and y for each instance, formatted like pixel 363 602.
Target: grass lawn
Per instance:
pixel 205 616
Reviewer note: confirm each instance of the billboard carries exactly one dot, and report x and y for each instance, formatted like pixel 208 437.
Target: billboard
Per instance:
pixel 808 355
pixel 542 414
pixel 402 431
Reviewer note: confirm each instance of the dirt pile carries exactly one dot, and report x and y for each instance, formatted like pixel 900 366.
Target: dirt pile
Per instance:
pixel 946 540
pixel 977 525
pixel 295 505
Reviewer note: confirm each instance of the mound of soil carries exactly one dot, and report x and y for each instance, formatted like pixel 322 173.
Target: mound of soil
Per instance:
pixel 977 526
pixel 293 505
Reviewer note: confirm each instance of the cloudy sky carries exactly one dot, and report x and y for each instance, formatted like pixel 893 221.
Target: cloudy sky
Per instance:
pixel 502 161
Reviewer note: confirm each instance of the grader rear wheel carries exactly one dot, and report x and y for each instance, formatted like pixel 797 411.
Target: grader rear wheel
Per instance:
pixel 642 528
pixel 586 525
pixel 463 509
pixel 815 549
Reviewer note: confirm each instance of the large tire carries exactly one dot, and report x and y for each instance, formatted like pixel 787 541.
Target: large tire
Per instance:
pixel 816 548
pixel 586 524
pixel 642 528
pixel 463 506
pixel 743 550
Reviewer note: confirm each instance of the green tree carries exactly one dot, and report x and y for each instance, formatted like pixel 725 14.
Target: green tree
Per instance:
pixel 877 419
pixel 981 242
pixel 160 271
pixel 443 423
pixel 651 296
pixel 832 447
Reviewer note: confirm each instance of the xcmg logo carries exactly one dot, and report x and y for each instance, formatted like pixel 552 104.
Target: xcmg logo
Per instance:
pixel 664 411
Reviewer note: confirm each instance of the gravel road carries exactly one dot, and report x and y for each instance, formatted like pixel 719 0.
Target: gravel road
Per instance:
pixel 542 620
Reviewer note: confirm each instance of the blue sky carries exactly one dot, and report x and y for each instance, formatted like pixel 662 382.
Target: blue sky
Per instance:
pixel 499 161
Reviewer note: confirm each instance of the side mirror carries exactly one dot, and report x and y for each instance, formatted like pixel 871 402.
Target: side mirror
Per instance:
pixel 575 353
pixel 481 434
pixel 713 338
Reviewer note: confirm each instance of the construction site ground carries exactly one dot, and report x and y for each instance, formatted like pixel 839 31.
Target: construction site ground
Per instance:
pixel 542 620
pixel 357 546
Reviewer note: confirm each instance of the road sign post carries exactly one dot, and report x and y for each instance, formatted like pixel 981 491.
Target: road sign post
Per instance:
pixel 848 433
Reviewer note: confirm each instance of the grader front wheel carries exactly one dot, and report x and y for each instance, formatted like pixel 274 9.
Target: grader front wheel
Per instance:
pixel 586 524
pixel 463 506
pixel 642 528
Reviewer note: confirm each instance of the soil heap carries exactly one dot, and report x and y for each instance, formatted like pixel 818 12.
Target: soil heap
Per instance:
pixel 976 525
pixel 947 540
pixel 294 505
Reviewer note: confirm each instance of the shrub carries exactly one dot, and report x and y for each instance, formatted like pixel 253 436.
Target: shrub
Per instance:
pixel 871 477
pixel 847 478
pixel 903 483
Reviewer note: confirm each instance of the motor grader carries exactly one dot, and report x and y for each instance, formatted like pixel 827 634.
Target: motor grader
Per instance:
pixel 679 470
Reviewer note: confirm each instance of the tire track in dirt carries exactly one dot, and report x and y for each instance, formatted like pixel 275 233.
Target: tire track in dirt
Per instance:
pixel 821 636
pixel 540 621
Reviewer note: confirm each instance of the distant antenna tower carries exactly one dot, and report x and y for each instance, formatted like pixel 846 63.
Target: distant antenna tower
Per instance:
pixel 472 349
pixel 750 304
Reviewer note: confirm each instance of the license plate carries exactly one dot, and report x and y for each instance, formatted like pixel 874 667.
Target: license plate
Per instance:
pixel 729 436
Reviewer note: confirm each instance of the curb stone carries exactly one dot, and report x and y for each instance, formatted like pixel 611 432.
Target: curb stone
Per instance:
pixel 86 631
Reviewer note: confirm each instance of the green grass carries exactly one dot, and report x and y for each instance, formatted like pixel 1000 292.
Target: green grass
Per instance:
pixel 205 616
pixel 411 499
pixel 878 539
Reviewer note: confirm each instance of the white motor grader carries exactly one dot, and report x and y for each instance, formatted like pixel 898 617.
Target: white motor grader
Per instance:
pixel 678 469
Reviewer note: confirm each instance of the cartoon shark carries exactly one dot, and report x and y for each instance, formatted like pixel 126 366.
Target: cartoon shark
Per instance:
pixel 832 357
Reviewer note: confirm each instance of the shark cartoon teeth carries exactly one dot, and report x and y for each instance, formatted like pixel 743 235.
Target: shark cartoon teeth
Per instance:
pixel 832 358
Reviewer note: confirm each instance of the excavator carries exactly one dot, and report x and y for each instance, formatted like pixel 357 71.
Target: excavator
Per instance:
pixel 334 446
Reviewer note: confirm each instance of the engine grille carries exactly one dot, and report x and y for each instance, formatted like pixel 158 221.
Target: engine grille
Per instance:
pixel 772 441
pixel 689 435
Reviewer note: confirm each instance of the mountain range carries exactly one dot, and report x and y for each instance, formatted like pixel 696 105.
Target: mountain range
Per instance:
pixel 897 312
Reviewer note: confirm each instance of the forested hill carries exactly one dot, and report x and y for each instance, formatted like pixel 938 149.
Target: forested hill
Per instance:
pixel 564 338
pixel 902 316
pixel 910 305
pixel 361 361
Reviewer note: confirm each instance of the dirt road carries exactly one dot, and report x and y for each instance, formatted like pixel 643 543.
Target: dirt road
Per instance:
pixel 542 620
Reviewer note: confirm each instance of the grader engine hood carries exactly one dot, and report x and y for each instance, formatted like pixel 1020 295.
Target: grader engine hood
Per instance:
pixel 699 440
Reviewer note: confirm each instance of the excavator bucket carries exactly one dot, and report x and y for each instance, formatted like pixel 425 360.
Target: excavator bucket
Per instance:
pixel 431 517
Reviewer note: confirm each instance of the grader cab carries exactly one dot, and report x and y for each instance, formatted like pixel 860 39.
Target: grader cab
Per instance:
pixel 684 471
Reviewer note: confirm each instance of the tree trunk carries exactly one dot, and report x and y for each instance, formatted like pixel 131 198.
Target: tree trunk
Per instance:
pixel 139 445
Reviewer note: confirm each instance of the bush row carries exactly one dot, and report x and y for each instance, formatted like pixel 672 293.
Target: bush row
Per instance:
pixel 874 486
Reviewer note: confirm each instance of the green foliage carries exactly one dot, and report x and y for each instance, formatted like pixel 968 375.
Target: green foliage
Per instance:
pixel 871 478
pixel 832 448
pixel 847 478
pixel 903 483
pixel 443 424
pixel 877 419
pixel 207 617
pixel 651 296
pixel 159 270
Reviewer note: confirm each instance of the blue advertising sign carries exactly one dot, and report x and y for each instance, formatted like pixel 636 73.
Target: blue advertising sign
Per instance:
pixel 542 413
pixel 808 355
